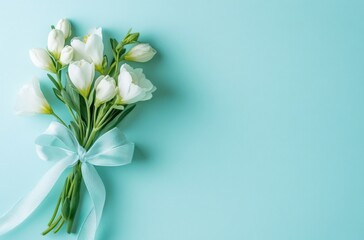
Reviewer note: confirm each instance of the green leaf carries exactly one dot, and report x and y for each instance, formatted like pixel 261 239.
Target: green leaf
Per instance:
pixel 114 54
pixel 112 62
pixel 58 94
pixel 119 107
pixel 66 208
pixel 105 62
pixel 91 98
pixel 114 120
pixel 65 188
pixel 75 195
pixel 75 129
pixel 67 99
pixel 54 61
pixel 126 112
pixel 129 39
pixel 75 202
pixel 73 94
pixel 54 81
pixel 83 110
pixel 121 53
pixel 82 127
pixel 119 46
pixel 113 43
pixel 111 121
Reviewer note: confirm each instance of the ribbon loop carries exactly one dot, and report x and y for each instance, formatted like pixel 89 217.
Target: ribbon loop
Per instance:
pixel 58 144
pixel 111 149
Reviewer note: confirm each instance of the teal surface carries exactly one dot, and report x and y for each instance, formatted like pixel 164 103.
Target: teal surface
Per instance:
pixel 256 131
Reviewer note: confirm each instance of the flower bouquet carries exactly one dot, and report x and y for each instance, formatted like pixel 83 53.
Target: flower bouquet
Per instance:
pixel 98 94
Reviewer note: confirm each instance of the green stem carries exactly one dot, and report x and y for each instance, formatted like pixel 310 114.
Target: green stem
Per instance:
pixel 99 114
pixel 56 210
pixel 70 225
pixel 58 118
pixel 116 65
pixel 59 227
pixel 91 138
pixel 99 123
pixel 111 67
pixel 88 120
pixel 105 116
pixel 72 113
pixel 74 194
pixel 59 78
pixel 95 115
pixel 52 226
pixel 71 189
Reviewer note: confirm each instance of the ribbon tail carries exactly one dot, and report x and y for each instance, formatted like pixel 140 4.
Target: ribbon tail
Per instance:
pixel 28 204
pixel 88 227
pixel 97 192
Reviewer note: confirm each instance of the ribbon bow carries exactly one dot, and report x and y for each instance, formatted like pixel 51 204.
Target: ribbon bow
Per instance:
pixel 57 144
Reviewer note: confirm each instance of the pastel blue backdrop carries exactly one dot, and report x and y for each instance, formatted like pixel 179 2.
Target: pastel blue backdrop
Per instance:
pixel 256 131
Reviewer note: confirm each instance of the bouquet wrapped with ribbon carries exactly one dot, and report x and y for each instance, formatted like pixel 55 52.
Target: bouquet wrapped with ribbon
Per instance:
pixel 98 94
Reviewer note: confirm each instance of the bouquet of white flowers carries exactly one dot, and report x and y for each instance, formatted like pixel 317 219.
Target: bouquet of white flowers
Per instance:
pixel 98 94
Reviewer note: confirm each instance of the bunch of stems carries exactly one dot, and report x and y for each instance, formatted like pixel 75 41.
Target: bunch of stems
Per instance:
pixel 97 117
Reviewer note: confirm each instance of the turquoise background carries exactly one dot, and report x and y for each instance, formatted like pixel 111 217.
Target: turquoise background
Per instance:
pixel 256 130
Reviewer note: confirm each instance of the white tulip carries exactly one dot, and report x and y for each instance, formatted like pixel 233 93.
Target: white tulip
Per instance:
pixel 82 74
pixel 66 55
pixel 91 49
pixel 142 52
pixel 65 26
pixel 41 59
pixel 55 42
pixel 105 89
pixel 30 100
pixel 133 86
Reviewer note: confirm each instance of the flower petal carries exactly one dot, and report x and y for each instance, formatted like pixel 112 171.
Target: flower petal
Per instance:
pixel 94 48
pixel 79 48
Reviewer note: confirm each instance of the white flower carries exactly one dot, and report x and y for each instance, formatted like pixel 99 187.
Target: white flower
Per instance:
pixel 65 26
pixel 140 53
pixel 55 42
pixel 41 59
pixel 66 55
pixel 82 74
pixel 133 86
pixel 91 49
pixel 105 89
pixel 30 100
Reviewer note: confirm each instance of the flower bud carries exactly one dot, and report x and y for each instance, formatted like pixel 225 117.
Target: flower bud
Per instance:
pixel 91 49
pixel 105 89
pixel 82 74
pixel 130 38
pixel 65 26
pixel 41 59
pixel 140 53
pixel 30 100
pixel 55 42
pixel 66 55
pixel 133 86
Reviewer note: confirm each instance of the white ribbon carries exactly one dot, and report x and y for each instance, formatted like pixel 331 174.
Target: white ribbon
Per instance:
pixel 58 144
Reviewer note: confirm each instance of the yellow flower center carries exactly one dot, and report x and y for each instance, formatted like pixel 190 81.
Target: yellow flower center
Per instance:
pixel 46 109
pixel 85 38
